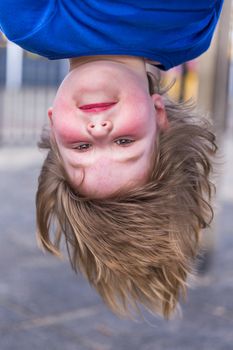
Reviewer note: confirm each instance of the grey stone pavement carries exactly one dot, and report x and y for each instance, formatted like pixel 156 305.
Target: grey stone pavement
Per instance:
pixel 45 306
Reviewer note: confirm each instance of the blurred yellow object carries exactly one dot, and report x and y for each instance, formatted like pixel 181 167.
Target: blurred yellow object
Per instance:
pixel 191 86
pixel 3 40
pixel 186 82
pixel 31 55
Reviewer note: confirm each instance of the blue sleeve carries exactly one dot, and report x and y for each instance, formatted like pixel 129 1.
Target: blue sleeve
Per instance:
pixel 18 18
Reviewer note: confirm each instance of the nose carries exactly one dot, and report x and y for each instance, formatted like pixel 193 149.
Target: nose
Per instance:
pixel 100 128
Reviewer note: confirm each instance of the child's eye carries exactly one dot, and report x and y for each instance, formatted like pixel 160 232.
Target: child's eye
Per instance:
pixel 83 147
pixel 123 142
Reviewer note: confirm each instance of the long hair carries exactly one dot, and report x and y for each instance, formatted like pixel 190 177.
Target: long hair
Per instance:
pixel 137 247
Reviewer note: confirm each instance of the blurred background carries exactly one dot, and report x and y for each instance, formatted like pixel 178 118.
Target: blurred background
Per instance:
pixel 43 304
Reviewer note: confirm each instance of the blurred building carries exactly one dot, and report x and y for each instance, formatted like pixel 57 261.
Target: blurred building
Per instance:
pixel 28 84
pixel 30 69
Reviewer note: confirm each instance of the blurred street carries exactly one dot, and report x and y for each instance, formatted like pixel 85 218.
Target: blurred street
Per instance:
pixel 44 305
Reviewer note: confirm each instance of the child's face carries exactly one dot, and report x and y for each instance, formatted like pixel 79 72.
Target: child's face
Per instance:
pixel 105 150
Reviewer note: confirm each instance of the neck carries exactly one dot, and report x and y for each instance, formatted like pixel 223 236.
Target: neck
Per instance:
pixel 137 63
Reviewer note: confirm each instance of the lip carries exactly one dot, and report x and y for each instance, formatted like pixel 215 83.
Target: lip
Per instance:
pixel 97 107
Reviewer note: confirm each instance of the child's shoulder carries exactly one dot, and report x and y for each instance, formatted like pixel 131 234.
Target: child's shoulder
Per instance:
pixel 21 18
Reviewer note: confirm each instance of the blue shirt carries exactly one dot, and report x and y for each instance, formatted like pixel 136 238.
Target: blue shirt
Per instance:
pixel 168 31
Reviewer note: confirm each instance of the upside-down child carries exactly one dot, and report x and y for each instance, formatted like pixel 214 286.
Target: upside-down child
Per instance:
pixel 126 181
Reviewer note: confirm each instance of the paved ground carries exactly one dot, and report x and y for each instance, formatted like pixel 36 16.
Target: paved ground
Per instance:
pixel 44 305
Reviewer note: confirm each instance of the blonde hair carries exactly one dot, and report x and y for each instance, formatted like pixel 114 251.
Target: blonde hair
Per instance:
pixel 136 247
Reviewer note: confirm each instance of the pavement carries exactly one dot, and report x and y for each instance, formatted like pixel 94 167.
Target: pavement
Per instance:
pixel 44 305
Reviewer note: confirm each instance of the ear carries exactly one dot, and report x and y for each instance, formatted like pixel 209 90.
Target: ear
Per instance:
pixel 50 115
pixel 161 114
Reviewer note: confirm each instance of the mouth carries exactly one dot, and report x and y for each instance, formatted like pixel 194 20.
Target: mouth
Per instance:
pixel 97 107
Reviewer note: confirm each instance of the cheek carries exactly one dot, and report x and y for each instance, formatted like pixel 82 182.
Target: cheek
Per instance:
pixel 140 111
pixel 140 120
pixel 66 128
